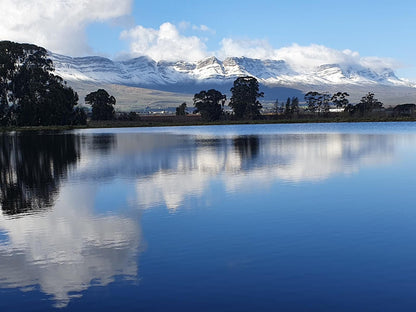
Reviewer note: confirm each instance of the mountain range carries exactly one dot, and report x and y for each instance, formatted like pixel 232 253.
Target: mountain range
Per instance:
pixel 142 81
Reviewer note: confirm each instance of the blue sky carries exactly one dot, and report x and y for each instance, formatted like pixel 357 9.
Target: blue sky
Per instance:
pixel 376 31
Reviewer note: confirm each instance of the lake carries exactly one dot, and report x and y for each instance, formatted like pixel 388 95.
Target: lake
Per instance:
pixel 298 217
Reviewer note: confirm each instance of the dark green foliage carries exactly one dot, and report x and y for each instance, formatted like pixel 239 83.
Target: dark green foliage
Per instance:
pixel 79 116
pixel 294 106
pixel 340 99
pixel 245 93
pixel 181 110
pixel 349 108
pixel 209 104
pixel 30 94
pixel 404 109
pixel 317 102
pixel 102 105
pixel 323 104
pixel 131 116
pixel 5 112
pixel 288 111
pixel 312 100
pixel 367 104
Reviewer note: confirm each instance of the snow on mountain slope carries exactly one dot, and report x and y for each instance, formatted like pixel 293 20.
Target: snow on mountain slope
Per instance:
pixel 143 71
pixel 180 80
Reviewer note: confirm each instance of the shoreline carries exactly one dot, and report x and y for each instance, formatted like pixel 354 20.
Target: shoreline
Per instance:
pixel 174 121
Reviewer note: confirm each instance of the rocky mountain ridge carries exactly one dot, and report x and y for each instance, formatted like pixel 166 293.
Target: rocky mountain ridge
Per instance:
pixel 277 78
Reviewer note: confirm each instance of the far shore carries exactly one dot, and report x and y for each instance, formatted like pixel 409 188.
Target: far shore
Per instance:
pixel 195 120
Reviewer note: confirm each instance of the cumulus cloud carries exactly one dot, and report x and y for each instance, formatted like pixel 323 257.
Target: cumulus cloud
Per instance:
pixel 57 25
pixel 169 43
pixel 165 43
pixel 60 26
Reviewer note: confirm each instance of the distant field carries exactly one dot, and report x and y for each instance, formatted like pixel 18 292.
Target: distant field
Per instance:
pixel 137 99
pixel 133 98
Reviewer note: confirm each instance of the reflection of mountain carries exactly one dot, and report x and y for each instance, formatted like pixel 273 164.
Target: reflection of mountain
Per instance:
pixel 67 249
pixel 31 167
pixel 169 167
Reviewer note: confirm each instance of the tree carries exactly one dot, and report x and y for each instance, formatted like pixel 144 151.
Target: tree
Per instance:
pixel 4 112
pixel 323 103
pixel 181 110
pixel 317 102
pixel 245 93
pixel 404 109
pixel 102 105
pixel 209 104
pixel 340 99
pixel 30 94
pixel 79 116
pixel 276 107
pixel 312 99
pixel 131 116
pixel 288 110
pixel 294 107
pixel 367 104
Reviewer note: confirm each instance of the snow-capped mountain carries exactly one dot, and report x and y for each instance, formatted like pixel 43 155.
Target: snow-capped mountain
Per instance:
pixel 277 78
pixel 143 71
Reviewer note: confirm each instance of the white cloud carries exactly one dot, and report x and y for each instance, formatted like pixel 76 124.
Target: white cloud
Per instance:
pixel 165 43
pixel 168 43
pixel 380 63
pixel 57 25
pixel 185 25
pixel 203 28
pixel 301 58
pixel 60 26
pixel 68 248
pixel 259 49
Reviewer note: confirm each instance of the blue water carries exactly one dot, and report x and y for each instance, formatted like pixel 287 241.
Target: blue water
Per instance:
pixel 313 217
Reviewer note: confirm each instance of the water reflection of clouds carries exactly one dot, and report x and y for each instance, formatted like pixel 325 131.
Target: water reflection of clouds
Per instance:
pixel 253 163
pixel 69 247
pixel 169 167
pixel 66 249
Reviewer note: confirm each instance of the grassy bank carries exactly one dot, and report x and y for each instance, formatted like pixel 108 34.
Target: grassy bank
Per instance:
pixel 192 120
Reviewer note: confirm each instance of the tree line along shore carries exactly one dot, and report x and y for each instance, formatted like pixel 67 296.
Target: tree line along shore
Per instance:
pixel 31 95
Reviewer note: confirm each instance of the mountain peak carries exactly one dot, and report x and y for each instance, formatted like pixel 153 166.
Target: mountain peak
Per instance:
pixel 143 71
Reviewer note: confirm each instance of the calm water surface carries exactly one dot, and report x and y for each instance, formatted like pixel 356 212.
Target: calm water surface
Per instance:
pixel 316 217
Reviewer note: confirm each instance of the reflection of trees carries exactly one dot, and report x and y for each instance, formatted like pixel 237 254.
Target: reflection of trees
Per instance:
pixel 247 146
pixel 31 166
pixel 103 143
